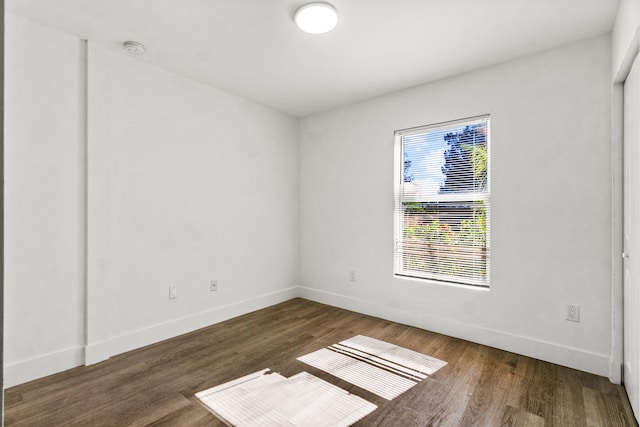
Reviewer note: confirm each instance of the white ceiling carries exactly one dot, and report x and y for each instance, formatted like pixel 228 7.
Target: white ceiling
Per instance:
pixel 253 49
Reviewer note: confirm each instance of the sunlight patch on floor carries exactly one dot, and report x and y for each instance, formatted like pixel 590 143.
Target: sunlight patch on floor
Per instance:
pixel 264 399
pixel 373 365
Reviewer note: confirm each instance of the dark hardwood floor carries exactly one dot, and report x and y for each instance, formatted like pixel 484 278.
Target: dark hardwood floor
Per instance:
pixel 155 385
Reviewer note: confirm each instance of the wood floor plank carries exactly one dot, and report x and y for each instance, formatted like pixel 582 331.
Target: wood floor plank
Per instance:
pixel 155 385
pixel 513 417
pixel 191 416
pixel 493 390
pixel 603 409
pixel 570 410
pixel 538 399
pixel 158 410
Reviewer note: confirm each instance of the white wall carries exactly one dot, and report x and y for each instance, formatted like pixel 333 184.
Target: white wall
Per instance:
pixel 43 285
pixel 185 184
pixel 550 216
pixel 625 38
pixel 190 184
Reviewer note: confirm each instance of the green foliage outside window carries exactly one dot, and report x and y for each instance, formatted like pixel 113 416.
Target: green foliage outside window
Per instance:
pixel 456 247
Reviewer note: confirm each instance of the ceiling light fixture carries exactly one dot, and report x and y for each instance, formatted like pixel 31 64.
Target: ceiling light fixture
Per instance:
pixel 316 18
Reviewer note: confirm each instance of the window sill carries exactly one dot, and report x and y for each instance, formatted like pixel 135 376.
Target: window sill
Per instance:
pixel 484 288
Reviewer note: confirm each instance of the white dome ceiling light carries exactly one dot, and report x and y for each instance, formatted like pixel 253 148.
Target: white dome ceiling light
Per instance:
pixel 316 18
pixel 134 48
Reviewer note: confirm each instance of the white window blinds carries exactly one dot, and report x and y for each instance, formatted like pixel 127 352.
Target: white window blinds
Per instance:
pixel 442 202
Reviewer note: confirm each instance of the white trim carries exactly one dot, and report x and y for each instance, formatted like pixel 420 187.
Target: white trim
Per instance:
pixel 447 197
pixel 96 352
pixel 31 369
pixel 442 125
pixel 617 200
pixel 482 288
pixel 615 371
pixel 162 331
pixel 555 353
pixel 51 363
pixel 41 366
pixel 398 182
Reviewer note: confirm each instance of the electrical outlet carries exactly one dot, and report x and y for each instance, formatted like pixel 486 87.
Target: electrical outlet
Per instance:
pixel 173 292
pixel 352 275
pixel 573 313
pixel 213 285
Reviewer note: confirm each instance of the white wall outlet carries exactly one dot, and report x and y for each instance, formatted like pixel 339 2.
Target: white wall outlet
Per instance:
pixel 213 285
pixel 573 313
pixel 173 292
pixel 352 275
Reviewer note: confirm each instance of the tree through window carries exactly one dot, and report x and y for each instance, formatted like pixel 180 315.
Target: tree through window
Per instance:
pixel 442 202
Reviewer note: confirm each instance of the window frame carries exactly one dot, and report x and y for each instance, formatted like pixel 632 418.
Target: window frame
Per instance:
pixel 399 198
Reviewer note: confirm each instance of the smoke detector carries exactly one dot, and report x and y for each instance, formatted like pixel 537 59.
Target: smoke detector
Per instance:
pixel 134 48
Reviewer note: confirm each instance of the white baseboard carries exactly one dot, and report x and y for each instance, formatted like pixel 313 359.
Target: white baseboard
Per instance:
pixel 27 370
pixel 153 334
pixel 51 363
pixel 41 366
pixel 96 352
pixel 615 371
pixel 598 364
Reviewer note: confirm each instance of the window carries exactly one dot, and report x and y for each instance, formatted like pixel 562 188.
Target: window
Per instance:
pixel 442 202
